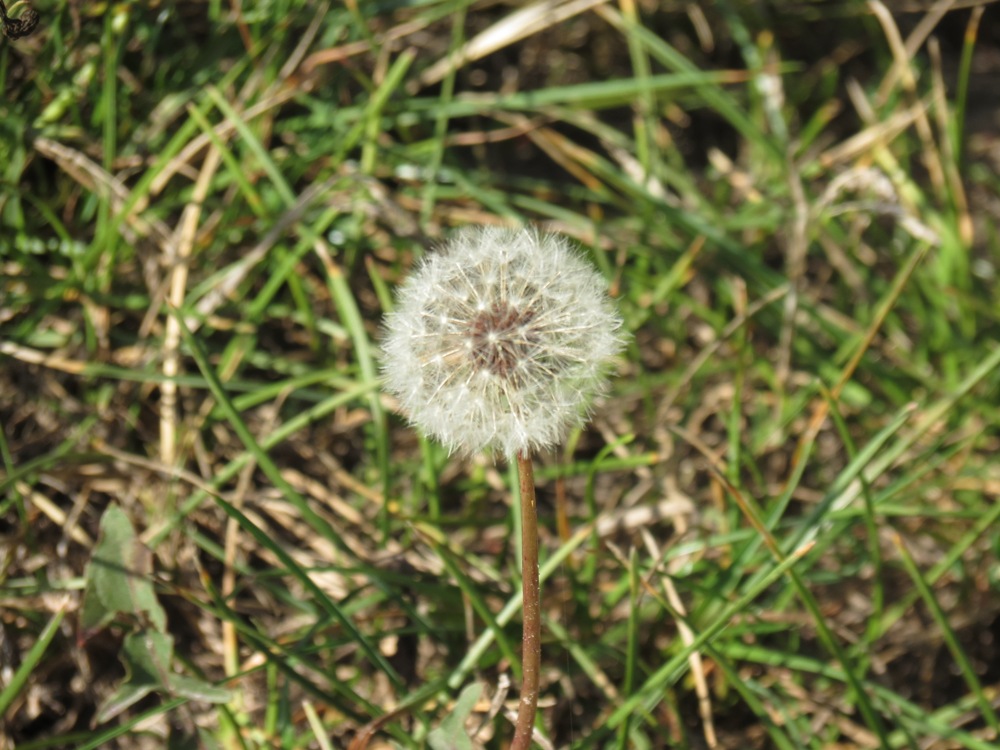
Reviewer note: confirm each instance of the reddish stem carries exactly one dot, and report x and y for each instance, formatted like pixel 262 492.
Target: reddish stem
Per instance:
pixel 531 628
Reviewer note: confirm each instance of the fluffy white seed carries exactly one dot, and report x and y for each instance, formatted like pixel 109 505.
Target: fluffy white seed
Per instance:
pixel 500 340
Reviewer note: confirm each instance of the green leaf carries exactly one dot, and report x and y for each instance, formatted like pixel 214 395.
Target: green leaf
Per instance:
pixel 197 690
pixel 118 577
pixel 122 698
pixel 146 655
pixel 118 583
pixel 451 735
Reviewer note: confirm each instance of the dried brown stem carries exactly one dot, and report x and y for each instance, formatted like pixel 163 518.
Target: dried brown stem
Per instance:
pixel 531 640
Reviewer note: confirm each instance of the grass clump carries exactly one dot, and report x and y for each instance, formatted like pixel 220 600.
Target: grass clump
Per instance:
pixel 780 528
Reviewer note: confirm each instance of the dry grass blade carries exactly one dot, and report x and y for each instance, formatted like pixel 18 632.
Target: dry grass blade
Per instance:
pixel 904 61
pixel 880 133
pixel 687 635
pixel 92 177
pixel 949 158
pixel 177 258
pixel 904 52
pixel 518 25
pixel 223 131
pixel 35 357
pixel 241 268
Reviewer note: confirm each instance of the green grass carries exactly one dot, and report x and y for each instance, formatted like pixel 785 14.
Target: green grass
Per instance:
pixel 202 218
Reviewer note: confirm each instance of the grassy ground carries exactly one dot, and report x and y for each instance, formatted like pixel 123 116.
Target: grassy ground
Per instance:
pixel 780 529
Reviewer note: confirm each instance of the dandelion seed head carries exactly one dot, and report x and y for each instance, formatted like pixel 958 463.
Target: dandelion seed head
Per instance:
pixel 500 340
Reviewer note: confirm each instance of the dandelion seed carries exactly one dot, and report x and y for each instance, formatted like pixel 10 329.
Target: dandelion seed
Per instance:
pixel 500 341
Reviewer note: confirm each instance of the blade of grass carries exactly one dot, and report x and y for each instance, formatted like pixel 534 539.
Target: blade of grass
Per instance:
pixel 62 453
pixel 255 449
pixel 294 663
pixel 632 643
pixel 31 660
pixel 709 90
pixel 870 522
pixel 933 725
pixel 950 639
pixel 485 640
pixel 263 156
pixel 651 691
pixel 753 515
pixel 331 608
pixel 318 730
pixel 441 124
pixel 587 665
pixel 469 588
pixel 273 473
pixel 595 95
pixel 644 122
pixel 737 682
pixel 233 167
pixel 964 70
pixel 350 315
pixel 155 535
pixel 373 111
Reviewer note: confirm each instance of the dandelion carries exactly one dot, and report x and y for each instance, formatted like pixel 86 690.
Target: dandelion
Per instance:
pixel 498 343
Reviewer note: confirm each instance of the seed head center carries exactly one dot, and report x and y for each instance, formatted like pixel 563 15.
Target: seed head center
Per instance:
pixel 501 338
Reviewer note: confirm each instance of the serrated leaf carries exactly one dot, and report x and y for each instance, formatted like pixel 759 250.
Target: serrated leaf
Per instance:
pixel 451 734
pixel 118 577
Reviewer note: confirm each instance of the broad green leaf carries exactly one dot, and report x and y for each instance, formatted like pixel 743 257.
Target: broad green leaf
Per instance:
pixel 118 577
pixel 125 696
pixel 146 655
pixel 451 735
pixel 118 583
pixel 197 690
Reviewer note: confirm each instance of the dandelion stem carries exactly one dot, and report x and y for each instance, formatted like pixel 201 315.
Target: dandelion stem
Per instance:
pixel 531 639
